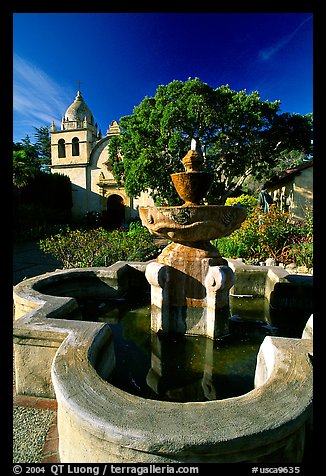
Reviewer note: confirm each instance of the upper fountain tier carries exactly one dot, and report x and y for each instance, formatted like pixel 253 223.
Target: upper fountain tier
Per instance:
pixel 192 222
pixel 193 184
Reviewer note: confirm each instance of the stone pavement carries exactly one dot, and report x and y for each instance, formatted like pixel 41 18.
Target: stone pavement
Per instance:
pixel 30 261
pixel 35 433
pixel 39 415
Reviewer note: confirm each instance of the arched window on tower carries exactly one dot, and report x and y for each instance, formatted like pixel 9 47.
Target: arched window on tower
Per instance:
pixel 61 148
pixel 75 146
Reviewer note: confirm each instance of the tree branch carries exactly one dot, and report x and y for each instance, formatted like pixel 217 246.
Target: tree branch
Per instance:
pixel 237 184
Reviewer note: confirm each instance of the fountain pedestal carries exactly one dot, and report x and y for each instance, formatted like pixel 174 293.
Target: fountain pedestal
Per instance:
pixel 190 291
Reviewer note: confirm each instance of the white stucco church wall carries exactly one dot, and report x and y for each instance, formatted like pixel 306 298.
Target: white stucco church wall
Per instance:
pixel 79 151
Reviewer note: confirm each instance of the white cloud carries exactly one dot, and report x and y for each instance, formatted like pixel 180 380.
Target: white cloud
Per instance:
pixel 267 53
pixel 37 99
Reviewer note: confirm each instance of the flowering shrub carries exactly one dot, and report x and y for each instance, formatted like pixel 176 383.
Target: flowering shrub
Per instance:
pixel 302 254
pixel 99 247
pixel 301 247
pixel 270 235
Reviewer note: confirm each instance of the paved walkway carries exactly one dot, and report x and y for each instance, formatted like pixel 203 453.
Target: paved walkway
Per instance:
pixel 35 430
pixel 34 419
pixel 30 261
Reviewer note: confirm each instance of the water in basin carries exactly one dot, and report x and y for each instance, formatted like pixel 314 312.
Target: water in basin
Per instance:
pixel 183 368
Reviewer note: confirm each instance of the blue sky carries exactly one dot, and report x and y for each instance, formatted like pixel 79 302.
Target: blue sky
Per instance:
pixel 120 58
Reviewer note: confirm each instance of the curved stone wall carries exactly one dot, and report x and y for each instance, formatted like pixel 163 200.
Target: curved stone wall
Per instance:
pixel 45 311
pixel 98 422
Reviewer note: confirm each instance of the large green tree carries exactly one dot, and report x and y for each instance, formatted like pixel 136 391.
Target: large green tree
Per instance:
pixel 25 162
pixel 30 158
pixel 43 145
pixel 240 135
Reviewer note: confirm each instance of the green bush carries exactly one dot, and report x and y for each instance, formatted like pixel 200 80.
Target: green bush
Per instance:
pixel 270 235
pixel 301 248
pixel 99 247
pixel 248 201
pixel 43 202
pixel 302 254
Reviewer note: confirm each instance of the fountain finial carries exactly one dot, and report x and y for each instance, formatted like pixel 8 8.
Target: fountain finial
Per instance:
pixel 192 161
pixel 193 184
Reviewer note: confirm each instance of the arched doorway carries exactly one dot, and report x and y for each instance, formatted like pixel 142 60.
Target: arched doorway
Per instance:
pixel 115 211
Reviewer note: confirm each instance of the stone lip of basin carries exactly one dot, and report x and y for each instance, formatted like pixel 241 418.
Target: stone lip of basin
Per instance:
pixel 192 223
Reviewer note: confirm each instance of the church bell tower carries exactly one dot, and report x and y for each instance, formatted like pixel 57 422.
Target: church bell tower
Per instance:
pixel 71 149
pixel 73 143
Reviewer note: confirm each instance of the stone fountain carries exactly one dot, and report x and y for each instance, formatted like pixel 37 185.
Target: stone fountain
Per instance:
pixel 59 355
pixel 190 281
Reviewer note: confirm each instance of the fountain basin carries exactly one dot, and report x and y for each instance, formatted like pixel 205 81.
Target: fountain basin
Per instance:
pixel 193 223
pixel 50 300
pixel 57 356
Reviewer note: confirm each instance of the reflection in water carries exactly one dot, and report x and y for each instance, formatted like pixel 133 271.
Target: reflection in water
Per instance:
pixel 183 368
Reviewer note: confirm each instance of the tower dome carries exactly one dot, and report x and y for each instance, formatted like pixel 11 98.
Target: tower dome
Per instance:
pixel 79 110
pixel 78 116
